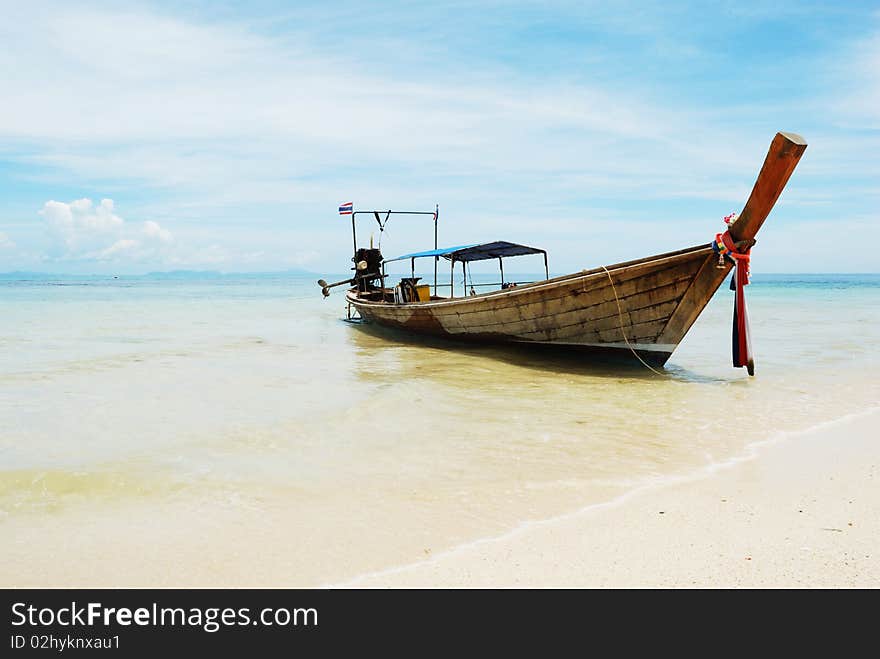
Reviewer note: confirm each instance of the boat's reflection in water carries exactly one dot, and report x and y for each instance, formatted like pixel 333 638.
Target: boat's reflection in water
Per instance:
pixel 371 339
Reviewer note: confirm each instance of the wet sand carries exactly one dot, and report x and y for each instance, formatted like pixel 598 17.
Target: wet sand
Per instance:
pixel 800 512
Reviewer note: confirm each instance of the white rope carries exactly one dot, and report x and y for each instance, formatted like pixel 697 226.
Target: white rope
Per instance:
pixel 620 315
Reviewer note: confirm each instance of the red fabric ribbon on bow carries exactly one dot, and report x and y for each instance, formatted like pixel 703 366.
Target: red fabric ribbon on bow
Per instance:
pixel 742 344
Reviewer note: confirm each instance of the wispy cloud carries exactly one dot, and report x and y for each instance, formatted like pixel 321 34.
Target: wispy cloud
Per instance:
pixel 195 98
pixel 861 103
pixel 238 133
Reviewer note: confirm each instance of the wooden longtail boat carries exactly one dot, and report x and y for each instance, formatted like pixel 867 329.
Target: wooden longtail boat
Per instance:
pixel 642 307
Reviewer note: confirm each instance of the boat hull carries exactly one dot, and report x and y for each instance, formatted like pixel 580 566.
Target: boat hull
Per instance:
pixel 618 309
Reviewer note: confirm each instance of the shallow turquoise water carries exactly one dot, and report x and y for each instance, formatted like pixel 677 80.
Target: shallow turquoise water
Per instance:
pixel 247 397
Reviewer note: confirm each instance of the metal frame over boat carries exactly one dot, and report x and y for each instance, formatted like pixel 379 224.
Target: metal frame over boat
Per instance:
pixel 643 307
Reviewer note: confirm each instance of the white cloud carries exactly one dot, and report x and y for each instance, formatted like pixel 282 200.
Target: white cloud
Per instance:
pixel 120 247
pixel 854 96
pixel 80 226
pixel 6 241
pixel 87 233
pixel 245 139
pixel 82 230
pixel 226 111
pixel 152 232
pixel 866 100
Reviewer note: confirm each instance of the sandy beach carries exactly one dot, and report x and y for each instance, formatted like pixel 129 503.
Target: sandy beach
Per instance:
pixel 800 511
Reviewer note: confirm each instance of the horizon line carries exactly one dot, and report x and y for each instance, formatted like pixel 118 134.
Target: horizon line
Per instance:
pixel 311 272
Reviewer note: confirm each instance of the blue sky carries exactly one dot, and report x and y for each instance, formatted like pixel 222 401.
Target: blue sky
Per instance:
pixel 187 135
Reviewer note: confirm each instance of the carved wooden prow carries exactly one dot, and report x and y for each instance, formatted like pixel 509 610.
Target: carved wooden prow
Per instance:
pixel 785 152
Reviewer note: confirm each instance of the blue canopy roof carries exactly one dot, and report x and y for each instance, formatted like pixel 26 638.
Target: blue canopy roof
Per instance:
pixel 431 252
pixel 479 252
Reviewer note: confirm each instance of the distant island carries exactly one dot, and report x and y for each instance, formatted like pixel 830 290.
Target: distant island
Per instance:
pixel 21 275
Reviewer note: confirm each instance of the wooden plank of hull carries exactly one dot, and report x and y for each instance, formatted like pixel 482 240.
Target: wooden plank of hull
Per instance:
pixel 578 283
pixel 595 289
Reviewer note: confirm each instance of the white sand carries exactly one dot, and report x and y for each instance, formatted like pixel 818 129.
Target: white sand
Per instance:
pixel 804 512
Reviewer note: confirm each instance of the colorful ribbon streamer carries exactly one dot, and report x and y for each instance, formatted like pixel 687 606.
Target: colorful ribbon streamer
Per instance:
pixel 725 246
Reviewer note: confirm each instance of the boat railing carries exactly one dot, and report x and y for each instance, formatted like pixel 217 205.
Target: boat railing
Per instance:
pixel 503 283
pixel 482 284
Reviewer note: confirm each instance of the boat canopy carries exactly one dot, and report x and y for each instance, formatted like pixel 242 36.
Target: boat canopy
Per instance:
pixel 494 250
pixel 443 251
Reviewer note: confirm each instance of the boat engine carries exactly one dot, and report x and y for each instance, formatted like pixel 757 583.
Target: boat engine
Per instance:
pixel 367 269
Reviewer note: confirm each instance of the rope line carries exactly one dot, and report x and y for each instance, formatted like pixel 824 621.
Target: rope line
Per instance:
pixel 620 315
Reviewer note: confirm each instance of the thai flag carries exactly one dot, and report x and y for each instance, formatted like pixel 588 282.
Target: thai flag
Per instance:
pixel 346 208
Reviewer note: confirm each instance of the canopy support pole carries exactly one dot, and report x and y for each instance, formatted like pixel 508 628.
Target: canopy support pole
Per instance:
pixel 436 258
pixel 546 267
pixel 451 278
pixel 501 267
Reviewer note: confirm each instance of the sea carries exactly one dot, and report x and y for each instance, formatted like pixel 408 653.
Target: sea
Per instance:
pixel 197 429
